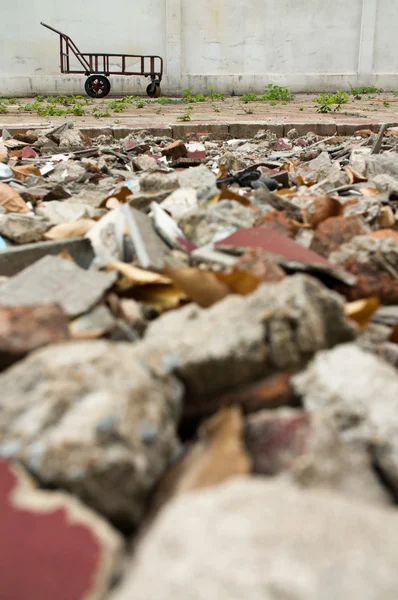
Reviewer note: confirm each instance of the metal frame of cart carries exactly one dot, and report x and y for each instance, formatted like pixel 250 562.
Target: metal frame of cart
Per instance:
pixel 96 67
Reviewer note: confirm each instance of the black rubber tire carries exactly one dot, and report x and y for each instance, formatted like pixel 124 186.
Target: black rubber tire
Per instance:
pixel 97 86
pixel 153 90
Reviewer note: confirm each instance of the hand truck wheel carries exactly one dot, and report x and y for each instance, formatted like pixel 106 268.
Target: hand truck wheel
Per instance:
pixel 97 86
pixel 153 89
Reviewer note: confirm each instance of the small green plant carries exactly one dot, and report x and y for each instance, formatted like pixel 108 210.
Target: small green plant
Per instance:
pixel 189 97
pixel 359 91
pixel 51 100
pixel 301 108
pixel 98 114
pixel 76 110
pixel 328 102
pixel 34 107
pixel 249 97
pixel 187 115
pixel 3 109
pixel 386 104
pixel 39 99
pixel 341 98
pixel 166 100
pixel 215 96
pixel 50 111
pixel 216 109
pixel 140 104
pixel 276 93
pixel 11 101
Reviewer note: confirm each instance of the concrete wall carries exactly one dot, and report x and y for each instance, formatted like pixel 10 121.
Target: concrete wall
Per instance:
pixel 234 45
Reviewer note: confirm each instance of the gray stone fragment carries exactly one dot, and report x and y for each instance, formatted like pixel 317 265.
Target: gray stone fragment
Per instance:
pixel 71 170
pixel 150 249
pixel 58 212
pixel 99 320
pixel 233 161
pixel 23 229
pixel 145 163
pixel 263 197
pixel 107 237
pixel 71 139
pixel 93 195
pixel 359 390
pixel 53 280
pixel 201 179
pixel 142 200
pixel 76 414
pixel 239 339
pixel 386 185
pixel 382 164
pixel 202 225
pixel 266 541
pixel 158 182
pixel 180 202
pixel 196 178
pixel 13 260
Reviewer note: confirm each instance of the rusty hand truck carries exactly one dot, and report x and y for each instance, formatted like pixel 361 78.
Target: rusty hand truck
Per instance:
pixel 97 67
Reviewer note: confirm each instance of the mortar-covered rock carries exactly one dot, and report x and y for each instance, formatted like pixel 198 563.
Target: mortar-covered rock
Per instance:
pixel 89 418
pixel 359 391
pixel 266 540
pixel 239 339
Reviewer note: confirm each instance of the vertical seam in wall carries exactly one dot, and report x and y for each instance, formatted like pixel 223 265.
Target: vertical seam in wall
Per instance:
pixel 367 42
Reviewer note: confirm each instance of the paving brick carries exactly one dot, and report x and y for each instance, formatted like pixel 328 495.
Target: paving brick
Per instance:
pixel 352 128
pixel 216 130
pixel 249 130
pixel 323 129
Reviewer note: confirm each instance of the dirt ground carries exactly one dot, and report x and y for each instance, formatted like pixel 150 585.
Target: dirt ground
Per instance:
pixel 377 108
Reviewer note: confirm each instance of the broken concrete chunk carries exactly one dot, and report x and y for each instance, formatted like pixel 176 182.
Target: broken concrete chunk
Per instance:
pixel 106 237
pixel 359 392
pixel 23 229
pixel 382 164
pixel 96 323
pixel 266 540
pixel 205 225
pixel 165 226
pixel 57 212
pixel 13 260
pixel 150 249
pixel 159 182
pixel 232 162
pixel 240 339
pixel 145 163
pixel 180 202
pixel 306 448
pixel 54 280
pixel 23 329
pixel 89 418
pixel 197 178
pixel 49 536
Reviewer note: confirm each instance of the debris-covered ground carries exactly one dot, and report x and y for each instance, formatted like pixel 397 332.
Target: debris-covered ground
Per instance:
pixel 198 344
pixel 277 106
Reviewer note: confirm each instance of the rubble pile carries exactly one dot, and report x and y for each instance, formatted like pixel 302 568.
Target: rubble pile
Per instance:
pixel 218 317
